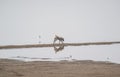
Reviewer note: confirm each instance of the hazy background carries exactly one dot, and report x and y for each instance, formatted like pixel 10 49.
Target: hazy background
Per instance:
pixel 23 21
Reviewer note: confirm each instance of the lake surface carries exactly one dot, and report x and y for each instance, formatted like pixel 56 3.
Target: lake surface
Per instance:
pixel 97 53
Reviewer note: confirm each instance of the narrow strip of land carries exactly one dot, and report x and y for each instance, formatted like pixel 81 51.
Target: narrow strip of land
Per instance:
pixel 52 45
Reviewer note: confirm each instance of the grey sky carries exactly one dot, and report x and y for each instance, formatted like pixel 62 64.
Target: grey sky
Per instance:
pixel 22 21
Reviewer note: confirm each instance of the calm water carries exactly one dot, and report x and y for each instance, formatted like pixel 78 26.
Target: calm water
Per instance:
pixel 97 53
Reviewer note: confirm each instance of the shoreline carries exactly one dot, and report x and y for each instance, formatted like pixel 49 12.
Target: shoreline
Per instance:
pixel 53 60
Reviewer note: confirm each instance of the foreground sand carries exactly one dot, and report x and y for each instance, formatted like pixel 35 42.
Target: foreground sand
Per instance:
pixel 12 68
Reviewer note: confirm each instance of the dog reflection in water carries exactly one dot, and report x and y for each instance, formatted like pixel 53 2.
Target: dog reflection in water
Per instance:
pixel 60 45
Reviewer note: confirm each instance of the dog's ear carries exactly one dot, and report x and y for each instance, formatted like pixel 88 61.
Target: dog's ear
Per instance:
pixel 56 36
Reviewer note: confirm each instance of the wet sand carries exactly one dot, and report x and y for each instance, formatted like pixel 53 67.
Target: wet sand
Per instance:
pixel 14 68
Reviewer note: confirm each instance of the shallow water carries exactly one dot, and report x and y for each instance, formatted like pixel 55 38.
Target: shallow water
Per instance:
pixel 98 53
